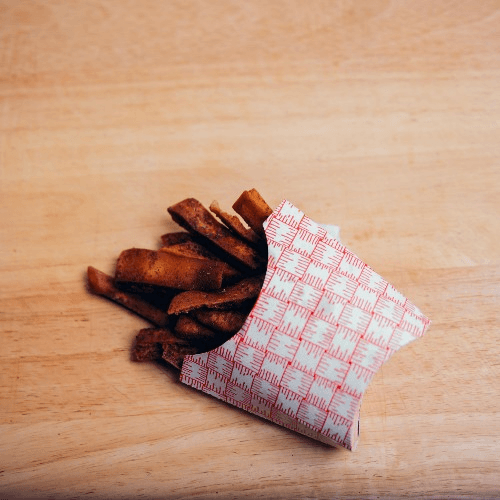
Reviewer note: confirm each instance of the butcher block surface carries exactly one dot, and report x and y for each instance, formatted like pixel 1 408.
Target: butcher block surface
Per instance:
pixel 380 117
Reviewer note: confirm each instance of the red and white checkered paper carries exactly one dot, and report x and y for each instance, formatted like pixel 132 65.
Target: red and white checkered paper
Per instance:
pixel 323 324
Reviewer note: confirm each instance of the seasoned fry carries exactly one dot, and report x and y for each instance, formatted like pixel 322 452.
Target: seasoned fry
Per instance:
pixel 253 210
pixel 233 223
pixel 138 265
pixel 175 238
pixel 194 217
pixel 235 295
pixel 197 251
pixel 188 328
pixel 102 284
pixel 149 342
pixel 223 321
pixel 189 249
pixel 198 335
pixel 154 344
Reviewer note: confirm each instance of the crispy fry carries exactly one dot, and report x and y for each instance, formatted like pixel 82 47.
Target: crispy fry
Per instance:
pixel 197 251
pixel 151 267
pixel 154 344
pixel 235 295
pixel 233 223
pixel 189 249
pixel 187 328
pixel 149 342
pixel 198 335
pixel 223 321
pixel 175 238
pixel 253 210
pixel 102 284
pixel 194 217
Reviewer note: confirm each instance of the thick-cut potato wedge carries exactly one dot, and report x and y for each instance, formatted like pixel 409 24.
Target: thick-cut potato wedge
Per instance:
pixel 102 284
pixel 194 217
pixel 220 320
pixel 253 210
pixel 233 223
pixel 150 267
pixel 235 295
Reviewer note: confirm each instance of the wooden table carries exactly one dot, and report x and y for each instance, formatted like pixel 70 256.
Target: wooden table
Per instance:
pixel 381 117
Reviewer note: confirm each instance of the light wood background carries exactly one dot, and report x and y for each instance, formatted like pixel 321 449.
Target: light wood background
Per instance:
pixel 380 116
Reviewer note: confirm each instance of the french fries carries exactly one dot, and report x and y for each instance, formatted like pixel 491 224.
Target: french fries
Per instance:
pixel 235 295
pixel 225 321
pixel 154 344
pixel 197 251
pixel 233 223
pixel 175 238
pixel 102 284
pixel 198 288
pixel 139 265
pixel 151 342
pixel 193 216
pixel 253 210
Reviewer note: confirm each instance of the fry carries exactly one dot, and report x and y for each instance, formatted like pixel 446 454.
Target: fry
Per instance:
pixel 198 335
pixel 253 210
pixel 151 267
pixel 102 284
pixel 175 238
pixel 154 344
pixel 149 342
pixel 189 249
pixel 235 295
pixel 223 321
pixel 233 223
pixel 193 216
pixel 187 328
pixel 197 251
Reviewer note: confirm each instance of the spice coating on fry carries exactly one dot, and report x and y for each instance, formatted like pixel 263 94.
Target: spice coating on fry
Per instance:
pixel 198 251
pixel 194 217
pixel 230 296
pixel 103 284
pixel 253 210
pixel 226 321
pixel 168 270
pixel 175 238
pixel 150 343
pixel 232 222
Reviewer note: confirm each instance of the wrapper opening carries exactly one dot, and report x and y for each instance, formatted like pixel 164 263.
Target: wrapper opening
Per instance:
pixel 323 324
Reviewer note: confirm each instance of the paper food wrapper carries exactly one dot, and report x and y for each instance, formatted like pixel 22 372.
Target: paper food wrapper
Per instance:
pixel 322 326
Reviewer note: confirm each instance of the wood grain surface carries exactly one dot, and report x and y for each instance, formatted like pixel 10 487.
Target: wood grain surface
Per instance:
pixel 382 117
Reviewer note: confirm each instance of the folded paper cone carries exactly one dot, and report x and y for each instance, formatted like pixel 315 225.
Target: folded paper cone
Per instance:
pixel 323 324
